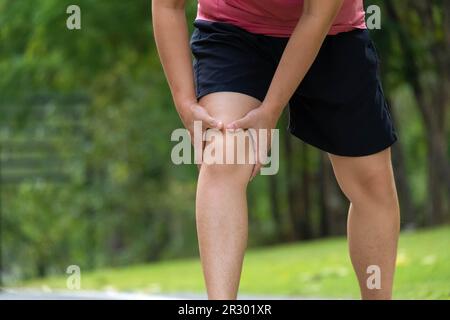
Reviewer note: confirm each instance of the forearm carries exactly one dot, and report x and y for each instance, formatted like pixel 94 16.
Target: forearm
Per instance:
pixel 172 40
pixel 298 56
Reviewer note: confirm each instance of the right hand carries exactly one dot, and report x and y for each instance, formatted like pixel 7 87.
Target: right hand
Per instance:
pixel 195 112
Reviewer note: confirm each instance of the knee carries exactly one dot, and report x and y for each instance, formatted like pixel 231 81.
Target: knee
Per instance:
pixel 226 158
pixel 230 173
pixel 374 187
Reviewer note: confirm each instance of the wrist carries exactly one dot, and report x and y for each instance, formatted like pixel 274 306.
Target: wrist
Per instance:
pixel 185 105
pixel 184 108
pixel 272 111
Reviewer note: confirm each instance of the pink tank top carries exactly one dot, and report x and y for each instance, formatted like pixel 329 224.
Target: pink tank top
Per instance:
pixel 276 18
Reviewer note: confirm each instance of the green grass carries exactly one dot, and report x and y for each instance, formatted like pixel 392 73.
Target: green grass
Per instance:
pixel 313 269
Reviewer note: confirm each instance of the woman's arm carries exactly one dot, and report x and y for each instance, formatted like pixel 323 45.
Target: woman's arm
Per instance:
pixel 297 58
pixel 301 51
pixel 172 40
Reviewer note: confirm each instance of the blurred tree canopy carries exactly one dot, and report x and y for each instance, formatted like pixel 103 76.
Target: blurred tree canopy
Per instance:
pixel 85 123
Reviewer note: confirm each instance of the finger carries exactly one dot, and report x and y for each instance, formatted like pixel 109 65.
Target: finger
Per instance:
pixel 265 153
pixel 207 121
pixel 198 153
pixel 219 125
pixel 255 171
pixel 243 123
pixel 212 123
pixel 253 141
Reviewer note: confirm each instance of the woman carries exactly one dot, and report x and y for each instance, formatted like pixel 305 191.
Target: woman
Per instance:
pixel 254 57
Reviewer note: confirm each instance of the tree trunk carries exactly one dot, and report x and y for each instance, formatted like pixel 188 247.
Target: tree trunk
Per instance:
pixel 334 205
pixel 432 101
pixel 292 192
pixel 275 206
pixel 408 214
pixel 324 227
pixel 305 214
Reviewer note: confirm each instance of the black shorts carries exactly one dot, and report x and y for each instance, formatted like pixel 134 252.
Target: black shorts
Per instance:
pixel 339 107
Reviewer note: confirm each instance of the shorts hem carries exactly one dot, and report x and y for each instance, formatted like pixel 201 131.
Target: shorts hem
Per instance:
pixel 376 149
pixel 205 92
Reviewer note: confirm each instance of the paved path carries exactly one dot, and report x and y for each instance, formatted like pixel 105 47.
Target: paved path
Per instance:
pixel 34 294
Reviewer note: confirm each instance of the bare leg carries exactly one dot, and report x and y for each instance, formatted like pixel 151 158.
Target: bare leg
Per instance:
pixel 221 206
pixel 373 221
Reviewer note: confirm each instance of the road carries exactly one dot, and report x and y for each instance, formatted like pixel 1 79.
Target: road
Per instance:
pixel 47 294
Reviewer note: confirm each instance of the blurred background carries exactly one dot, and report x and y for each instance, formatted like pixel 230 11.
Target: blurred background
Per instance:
pixel 86 177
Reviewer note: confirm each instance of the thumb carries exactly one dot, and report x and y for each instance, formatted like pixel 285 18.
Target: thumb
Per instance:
pixel 210 122
pixel 206 119
pixel 242 123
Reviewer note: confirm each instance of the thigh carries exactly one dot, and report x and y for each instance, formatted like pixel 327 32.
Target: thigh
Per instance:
pixel 229 59
pixel 365 177
pixel 228 106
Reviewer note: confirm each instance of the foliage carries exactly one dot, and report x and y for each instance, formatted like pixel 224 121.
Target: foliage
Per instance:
pixel 319 268
pixel 85 123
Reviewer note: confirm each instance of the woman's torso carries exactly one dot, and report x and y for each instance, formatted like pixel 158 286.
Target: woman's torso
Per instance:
pixel 275 17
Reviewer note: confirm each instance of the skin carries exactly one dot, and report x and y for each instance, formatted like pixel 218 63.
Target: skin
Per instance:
pixel 374 214
pixel 221 206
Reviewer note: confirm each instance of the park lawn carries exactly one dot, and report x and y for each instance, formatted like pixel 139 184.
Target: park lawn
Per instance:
pixel 310 269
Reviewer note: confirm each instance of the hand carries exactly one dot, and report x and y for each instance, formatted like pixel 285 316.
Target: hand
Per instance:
pixel 195 112
pixel 259 118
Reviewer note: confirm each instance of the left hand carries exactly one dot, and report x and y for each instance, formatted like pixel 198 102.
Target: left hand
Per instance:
pixel 259 118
